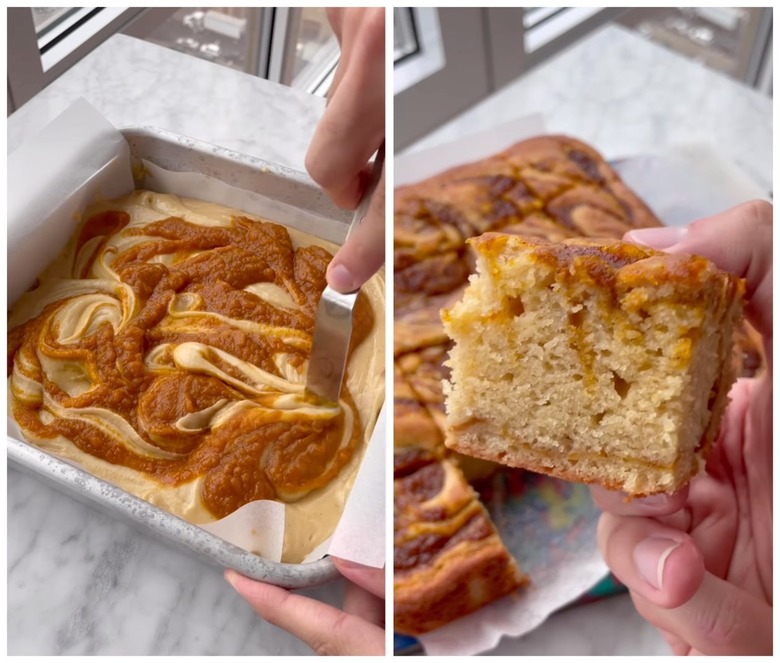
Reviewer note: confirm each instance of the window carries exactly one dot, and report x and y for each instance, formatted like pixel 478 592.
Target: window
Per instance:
pixel 404 34
pixel 304 51
pixel 229 36
pixel 464 54
pixel 418 50
pixel 734 40
pixel 292 46
pixel 47 18
pixel 43 42
pixel 542 25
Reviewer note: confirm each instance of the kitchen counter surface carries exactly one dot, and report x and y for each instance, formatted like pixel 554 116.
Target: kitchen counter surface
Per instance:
pixel 79 581
pixel 627 97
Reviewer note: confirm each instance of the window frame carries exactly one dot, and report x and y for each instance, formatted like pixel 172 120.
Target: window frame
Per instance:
pixel 283 40
pixel 271 52
pixel 496 56
pixel 30 70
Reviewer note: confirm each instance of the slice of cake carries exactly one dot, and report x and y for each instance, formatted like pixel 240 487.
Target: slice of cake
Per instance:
pixel 594 361
pixel 449 560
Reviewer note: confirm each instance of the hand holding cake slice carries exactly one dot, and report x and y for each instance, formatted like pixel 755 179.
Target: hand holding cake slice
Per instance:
pixel 594 361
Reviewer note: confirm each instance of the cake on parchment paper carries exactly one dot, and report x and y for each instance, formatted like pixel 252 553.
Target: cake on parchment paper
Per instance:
pixel 551 187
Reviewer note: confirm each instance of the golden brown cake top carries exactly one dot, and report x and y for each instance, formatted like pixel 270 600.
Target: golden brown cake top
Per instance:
pixel 553 187
pixel 611 265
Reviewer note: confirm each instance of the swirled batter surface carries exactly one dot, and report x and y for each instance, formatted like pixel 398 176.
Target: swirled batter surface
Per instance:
pixel 167 349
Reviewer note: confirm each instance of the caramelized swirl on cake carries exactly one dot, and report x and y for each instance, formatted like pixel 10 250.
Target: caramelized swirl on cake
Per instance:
pixel 449 560
pixel 552 187
pixel 178 349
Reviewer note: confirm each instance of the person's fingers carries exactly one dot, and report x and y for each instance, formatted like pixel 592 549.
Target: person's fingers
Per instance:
pixel 659 563
pixel 353 125
pixel 739 241
pixel 348 193
pixel 664 571
pixel 336 19
pixel 364 604
pixel 364 251
pixel 334 86
pixel 327 630
pixel 367 577
pixel 620 504
pixel 720 619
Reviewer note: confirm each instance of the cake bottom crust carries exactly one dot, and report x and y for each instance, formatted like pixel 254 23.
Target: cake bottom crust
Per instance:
pixel 481 440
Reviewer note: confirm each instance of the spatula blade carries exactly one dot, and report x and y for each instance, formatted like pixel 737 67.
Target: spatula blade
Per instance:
pixel 330 344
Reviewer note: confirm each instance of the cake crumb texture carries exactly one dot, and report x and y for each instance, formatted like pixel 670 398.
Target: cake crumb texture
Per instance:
pixel 591 360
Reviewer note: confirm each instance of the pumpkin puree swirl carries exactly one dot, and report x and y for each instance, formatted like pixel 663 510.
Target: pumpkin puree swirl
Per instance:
pixel 178 348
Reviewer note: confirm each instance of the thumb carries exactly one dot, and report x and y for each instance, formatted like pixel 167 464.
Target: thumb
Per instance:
pixel 369 578
pixel 720 620
pixel 664 570
pixel 364 251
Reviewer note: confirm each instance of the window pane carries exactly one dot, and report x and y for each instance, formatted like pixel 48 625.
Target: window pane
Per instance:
pixel 720 37
pixel 316 50
pixel 45 18
pixel 404 34
pixel 226 35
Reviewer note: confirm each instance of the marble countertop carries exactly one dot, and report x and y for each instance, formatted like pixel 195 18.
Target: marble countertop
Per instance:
pixel 627 97
pixel 79 581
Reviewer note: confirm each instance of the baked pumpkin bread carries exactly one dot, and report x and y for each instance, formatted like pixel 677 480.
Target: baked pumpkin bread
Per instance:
pixel 449 560
pixel 551 187
pixel 591 360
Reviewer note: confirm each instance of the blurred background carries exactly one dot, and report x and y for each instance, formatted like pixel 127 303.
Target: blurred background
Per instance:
pixel 291 46
pixel 465 55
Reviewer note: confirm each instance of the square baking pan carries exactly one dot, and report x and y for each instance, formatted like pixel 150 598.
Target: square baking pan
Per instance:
pixel 280 183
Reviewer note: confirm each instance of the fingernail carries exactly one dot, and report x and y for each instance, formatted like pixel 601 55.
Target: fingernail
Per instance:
pixel 347 563
pixel 231 576
pixel 657 238
pixel 650 558
pixel 343 562
pixel 341 279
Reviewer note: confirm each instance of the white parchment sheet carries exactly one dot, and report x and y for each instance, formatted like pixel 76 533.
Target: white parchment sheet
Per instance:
pixel 81 157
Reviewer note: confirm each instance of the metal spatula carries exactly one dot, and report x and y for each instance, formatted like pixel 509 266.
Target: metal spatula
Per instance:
pixel 333 325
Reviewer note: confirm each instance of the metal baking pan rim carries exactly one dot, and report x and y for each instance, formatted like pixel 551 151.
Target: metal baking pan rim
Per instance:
pixel 103 495
pixel 149 131
pixel 97 492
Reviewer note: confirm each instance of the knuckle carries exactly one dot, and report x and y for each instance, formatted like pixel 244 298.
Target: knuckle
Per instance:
pixel 316 164
pixel 325 648
pixel 332 643
pixel 761 209
pixel 720 622
pixel 275 615
pixel 760 212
